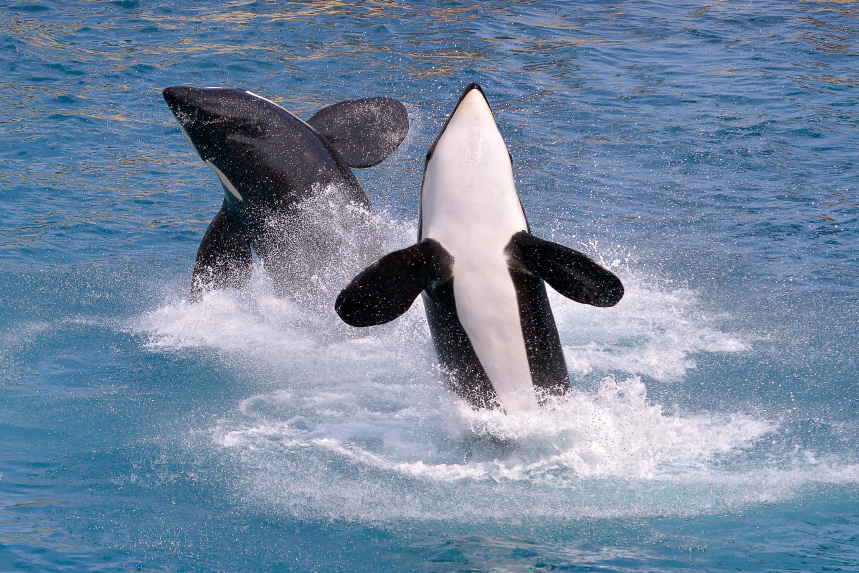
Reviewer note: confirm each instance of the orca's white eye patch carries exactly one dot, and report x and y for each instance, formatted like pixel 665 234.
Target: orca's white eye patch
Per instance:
pixel 224 181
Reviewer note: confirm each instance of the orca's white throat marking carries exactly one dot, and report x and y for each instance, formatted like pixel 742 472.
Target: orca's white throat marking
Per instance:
pixel 225 181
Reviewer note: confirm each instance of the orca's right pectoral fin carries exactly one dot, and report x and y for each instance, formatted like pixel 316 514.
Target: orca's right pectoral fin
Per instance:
pixel 224 259
pixel 387 288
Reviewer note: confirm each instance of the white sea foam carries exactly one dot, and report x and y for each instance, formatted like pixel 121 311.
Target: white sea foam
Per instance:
pixel 655 332
pixel 606 454
pixel 354 424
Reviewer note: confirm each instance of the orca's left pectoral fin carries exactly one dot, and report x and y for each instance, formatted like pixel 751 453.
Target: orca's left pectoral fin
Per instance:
pixel 388 287
pixel 569 272
pixel 224 259
pixel 363 131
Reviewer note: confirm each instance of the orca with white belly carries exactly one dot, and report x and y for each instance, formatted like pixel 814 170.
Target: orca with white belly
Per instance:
pixel 290 195
pixel 481 272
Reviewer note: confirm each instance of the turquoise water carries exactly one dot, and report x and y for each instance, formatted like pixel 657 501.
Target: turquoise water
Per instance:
pixel 705 152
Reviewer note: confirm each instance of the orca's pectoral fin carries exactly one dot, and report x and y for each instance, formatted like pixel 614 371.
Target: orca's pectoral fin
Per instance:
pixel 224 259
pixel 363 131
pixel 569 272
pixel 387 288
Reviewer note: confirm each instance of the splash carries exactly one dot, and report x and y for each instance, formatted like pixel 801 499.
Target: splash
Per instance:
pixel 420 455
pixel 322 242
pixel 616 432
pixel 653 332
pixel 355 424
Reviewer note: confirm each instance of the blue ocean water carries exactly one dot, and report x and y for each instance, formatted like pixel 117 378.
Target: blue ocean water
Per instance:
pixel 706 152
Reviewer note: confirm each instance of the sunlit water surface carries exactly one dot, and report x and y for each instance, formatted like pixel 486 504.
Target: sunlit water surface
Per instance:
pixel 704 152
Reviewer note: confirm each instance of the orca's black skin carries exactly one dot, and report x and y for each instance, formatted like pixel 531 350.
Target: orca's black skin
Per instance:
pixel 572 274
pixel 224 258
pixel 271 163
pixel 388 287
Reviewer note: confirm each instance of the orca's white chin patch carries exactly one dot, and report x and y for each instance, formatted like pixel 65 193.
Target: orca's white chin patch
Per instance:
pixel 224 181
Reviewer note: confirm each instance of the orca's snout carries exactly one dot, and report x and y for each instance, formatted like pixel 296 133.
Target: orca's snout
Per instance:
pixel 178 97
pixel 192 105
pixel 473 86
pixel 467 95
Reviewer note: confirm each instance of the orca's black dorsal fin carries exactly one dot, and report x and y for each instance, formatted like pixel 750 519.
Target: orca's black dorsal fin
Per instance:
pixel 363 131
pixel 387 288
pixel 569 272
pixel 224 259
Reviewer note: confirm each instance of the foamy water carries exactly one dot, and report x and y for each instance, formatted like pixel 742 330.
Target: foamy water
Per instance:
pixel 355 424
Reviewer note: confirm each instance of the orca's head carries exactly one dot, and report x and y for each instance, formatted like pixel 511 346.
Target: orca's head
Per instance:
pixel 470 138
pixel 209 115
pixel 240 135
pixel 468 165
pixel 470 123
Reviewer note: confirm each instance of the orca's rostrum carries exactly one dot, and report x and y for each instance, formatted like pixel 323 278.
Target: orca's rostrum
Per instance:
pixel 289 192
pixel 481 272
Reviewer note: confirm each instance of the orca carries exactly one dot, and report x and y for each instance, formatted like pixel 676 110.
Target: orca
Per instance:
pixel 481 272
pixel 290 195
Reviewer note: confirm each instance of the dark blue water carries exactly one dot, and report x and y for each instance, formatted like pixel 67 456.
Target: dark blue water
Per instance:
pixel 705 152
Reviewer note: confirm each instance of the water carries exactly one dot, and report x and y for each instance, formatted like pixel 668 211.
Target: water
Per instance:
pixel 705 152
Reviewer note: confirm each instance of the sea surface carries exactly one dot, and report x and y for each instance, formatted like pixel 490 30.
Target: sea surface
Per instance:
pixel 705 152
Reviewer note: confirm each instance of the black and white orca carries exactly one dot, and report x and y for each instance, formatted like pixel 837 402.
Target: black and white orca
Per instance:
pixel 481 272
pixel 290 193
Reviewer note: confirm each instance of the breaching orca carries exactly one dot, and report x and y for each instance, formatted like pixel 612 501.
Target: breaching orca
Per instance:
pixel 481 272
pixel 290 194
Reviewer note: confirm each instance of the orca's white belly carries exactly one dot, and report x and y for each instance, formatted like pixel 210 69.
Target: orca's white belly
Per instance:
pixel 488 309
